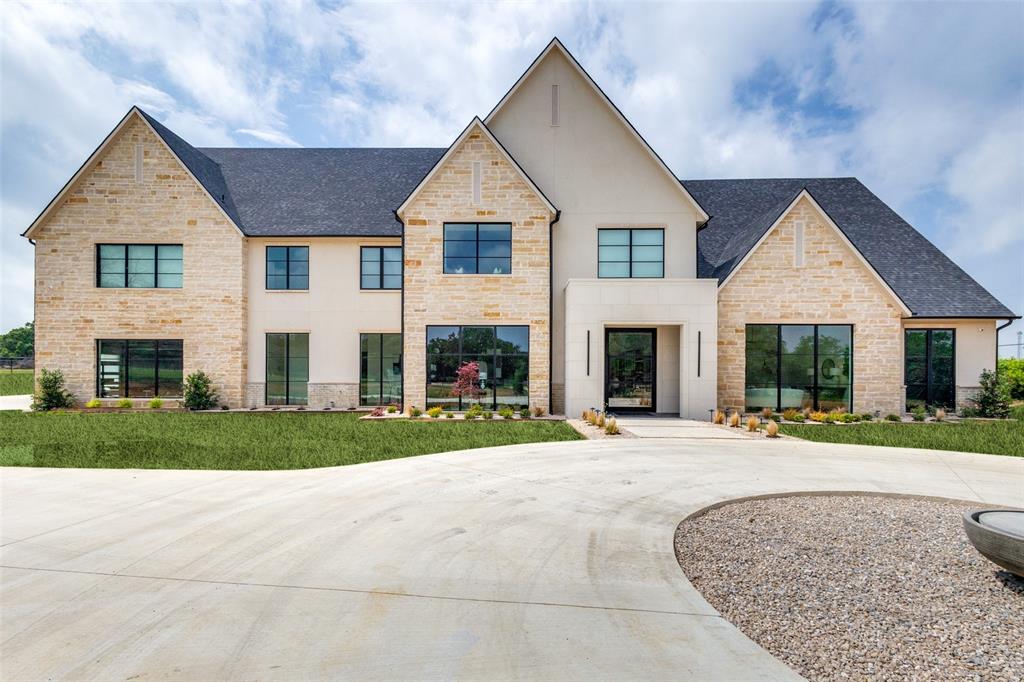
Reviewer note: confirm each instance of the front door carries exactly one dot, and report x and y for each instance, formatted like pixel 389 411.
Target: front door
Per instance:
pixel 629 377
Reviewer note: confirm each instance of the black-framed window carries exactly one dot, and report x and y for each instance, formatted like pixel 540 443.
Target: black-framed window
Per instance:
pixel 380 267
pixel 380 369
pixel 502 353
pixel 631 252
pixel 929 357
pixel 288 267
pixel 477 248
pixel 139 266
pixel 287 369
pixel 798 366
pixel 139 368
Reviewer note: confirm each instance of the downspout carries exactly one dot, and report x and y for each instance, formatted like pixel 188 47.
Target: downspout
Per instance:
pixel 551 305
pixel 401 310
pixel 999 329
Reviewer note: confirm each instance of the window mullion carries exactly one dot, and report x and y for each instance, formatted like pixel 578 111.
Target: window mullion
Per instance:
pixel 815 361
pixel 778 367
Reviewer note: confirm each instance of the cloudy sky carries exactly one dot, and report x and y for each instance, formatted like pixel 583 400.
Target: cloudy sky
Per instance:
pixel 924 102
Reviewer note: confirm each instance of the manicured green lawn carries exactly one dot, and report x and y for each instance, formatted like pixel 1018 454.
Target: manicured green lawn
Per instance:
pixel 243 441
pixel 18 382
pixel 995 438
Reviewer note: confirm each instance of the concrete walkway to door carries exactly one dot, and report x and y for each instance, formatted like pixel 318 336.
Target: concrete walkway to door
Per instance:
pixel 674 427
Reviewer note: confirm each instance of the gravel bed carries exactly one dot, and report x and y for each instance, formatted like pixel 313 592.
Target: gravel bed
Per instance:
pixel 859 587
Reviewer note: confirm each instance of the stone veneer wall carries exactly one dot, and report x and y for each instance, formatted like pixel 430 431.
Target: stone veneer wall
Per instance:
pixel 434 298
pixel 321 395
pixel 107 205
pixel 832 287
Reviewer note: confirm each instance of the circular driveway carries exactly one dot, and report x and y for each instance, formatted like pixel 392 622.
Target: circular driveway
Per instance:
pixel 550 561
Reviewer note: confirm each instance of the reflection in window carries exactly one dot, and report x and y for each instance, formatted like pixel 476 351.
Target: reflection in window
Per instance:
pixel 136 368
pixel 287 369
pixel 380 369
pixel 380 267
pixel 478 248
pixel 139 266
pixel 929 367
pixel 503 355
pixel 288 267
pixel 799 366
pixel 631 253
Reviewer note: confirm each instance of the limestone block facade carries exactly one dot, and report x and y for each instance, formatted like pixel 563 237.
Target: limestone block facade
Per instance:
pixel 108 204
pixel 432 297
pixel 831 287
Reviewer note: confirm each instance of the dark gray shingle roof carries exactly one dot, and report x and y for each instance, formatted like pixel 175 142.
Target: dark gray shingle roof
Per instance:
pixel 927 281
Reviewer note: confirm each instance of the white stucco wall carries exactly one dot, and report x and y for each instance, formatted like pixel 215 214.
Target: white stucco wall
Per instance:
pixel 597 173
pixel 677 308
pixel 334 311
pixel 975 346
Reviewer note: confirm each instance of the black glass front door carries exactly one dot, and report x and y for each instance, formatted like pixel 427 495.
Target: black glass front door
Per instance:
pixel 629 381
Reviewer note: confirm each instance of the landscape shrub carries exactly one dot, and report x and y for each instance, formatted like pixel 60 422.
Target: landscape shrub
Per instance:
pixel 449 415
pixel 51 394
pixel 467 381
pixel 798 417
pixel 392 409
pixel 969 412
pixel 611 427
pixel 1011 371
pixel 817 416
pixel 475 411
pixel 718 417
pixel 199 393
pixel 892 417
pixel 156 403
pixel 600 421
pixel 734 420
pixel 538 411
pixel 415 411
pixel 506 412
pixel 377 412
pixel 752 423
pixel 790 413
pixel 993 400
pixel 868 417
pixel 435 412
pixel 940 415
pixel 766 412
pixel 918 414
pixel 124 404
pixel 524 413
pixel 93 404
pixel 488 414
pixel 773 429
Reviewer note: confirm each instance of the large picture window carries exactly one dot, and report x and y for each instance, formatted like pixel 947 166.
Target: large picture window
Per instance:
pixel 799 365
pixel 380 267
pixel 929 369
pixel 136 368
pixel 380 369
pixel 503 354
pixel 139 266
pixel 288 267
pixel 478 248
pixel 631 253
pixel 287 369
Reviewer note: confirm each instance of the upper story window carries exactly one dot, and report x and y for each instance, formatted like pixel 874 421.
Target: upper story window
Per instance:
pixel 477 248
pixel 380 267
pixel 623 252
pixel 288 267
pixel 139 266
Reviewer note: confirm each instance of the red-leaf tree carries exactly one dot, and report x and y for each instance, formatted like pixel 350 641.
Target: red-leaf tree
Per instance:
pixel 467 381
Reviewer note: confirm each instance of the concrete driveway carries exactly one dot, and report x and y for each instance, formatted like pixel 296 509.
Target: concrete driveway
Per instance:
pixel 550 561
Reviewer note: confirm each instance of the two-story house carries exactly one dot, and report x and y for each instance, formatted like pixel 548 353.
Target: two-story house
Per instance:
pixel 549 243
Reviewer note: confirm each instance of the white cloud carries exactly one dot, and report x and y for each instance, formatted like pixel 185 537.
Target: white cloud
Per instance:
pixel 273 137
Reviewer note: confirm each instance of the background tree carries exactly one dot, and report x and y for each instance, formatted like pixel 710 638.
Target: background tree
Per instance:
pixel 18 342
pixel 467 381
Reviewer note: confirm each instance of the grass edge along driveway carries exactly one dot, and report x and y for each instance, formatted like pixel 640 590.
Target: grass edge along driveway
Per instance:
pixel 235 441
pixel 1005 437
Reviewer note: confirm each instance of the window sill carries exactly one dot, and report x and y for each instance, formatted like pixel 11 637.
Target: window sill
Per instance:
pixel 380 291
pixel 286 291
pixel 139 288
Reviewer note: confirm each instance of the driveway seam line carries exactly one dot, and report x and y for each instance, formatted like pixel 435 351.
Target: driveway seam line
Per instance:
pixel 350 590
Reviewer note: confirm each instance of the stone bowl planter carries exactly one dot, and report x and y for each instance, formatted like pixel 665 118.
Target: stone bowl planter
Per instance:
pixel 998 534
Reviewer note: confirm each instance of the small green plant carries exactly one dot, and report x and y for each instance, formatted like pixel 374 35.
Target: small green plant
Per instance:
pixel 156 403
pixel 475 411
pixel 51 394
pixel 868 417
pixel 506 412
pixel 199 393
pixel 993 399
pixel 798 417
pixel 892 417
pixel 488 415
pixel 775 418
pixel 538 411
pixel 415 411
pixel 611 427
pixel 124 404
pixel 918 414
pixel 392 409
pixel 524 413
pixel 435 412
pixel 829 418
pixel 93 404
pixel 449 415
pixel 789 414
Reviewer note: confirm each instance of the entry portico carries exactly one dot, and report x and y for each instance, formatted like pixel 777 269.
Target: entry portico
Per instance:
pixel 683 313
